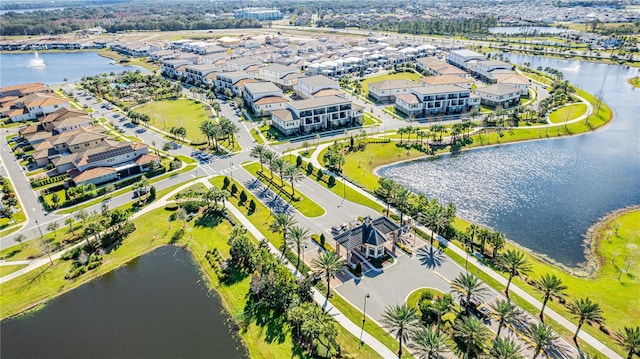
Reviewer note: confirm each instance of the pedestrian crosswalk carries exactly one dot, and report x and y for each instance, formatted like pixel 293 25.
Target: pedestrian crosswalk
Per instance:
pixel 210 170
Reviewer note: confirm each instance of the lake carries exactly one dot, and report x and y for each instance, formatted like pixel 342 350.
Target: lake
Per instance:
pixel 511 30
pixel 73 66
pixel 155 307
pixel 544 195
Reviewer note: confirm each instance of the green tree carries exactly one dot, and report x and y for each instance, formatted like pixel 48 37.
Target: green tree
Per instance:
pixel 309 168
pixel 319 174
pixel 629 339
pixel 427 343
pixel 53 226
pixel 441 306
pixel 386 189
pixel 332 181
pixel 550 285
pixel 473 334
pixel 258 152
pixel 20 238
pixel 296 238
pixel 69 222
pixel 586 311
pixel 504 312
pixel 243 197
pixel 401 199
pixel 293 174
pixel 468 286
pixel 515 264
pixel 252 206
pixel 542 337
pixel 400 320
pixel 329 264
pixel 505 348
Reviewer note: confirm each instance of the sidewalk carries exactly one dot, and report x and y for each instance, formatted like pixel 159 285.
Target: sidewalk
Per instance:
pixel 317 296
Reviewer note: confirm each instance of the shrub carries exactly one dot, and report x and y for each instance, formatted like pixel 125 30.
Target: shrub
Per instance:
pixel 310 169
pixel 252 206
pixel 191 206
pixel 298 161
pixel 226 182
pixel 48 180
pixel 322 239
pixel 243 197
pixel 234 189
pixel 171 206
pixel 332 181
pixel 319 174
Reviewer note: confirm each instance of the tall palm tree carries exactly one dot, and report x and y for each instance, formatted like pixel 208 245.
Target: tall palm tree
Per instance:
pixel 401 320
pixel 585 310
pixel 293 174
pixel 279 165
pixel 69 221
pixel 385 190
pixel 629 339
pixel 20 239
pixel 329 264
pixel 472 230
pixel 550 285
pixel 428 344
pixel 497 241
pixel 505 348
pixel 505 312
pixel 514 263
pixel 258 152
pixel 472 332
pixel 297 235
pixel 269 157
pixel 542 336
pixel 401 199
pixel 468 286
pixel 282 223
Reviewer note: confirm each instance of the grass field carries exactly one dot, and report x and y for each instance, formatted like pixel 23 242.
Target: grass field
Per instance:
pixel 634 81
pixel 568 113
pixel 397 76
pixel 8 269
pixel 175 113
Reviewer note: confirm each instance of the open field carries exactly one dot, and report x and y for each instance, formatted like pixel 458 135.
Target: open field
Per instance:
pixel 635 81
pixel 568 113
pixel 176 113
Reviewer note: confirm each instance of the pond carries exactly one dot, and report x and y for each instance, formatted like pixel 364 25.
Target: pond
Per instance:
pixel 155 307
pixel 544 195
pixel 53 68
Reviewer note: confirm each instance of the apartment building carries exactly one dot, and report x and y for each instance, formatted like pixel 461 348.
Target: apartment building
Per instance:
pixel 315 114
pixel 520 82
pixel 435 67
pixel 263 97
pixel 499 95
pixel 486 69
pixel 463 82
pixel 310 85
pixel 386 91
pixel 283 76
pixel 228 80
pixel 242 64
pixel 198 73
pixel 438 99
pixel 461 58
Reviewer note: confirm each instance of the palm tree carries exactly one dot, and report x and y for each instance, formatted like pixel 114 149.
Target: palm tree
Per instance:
pixel 297 235
pixel 401 320
pixel 542 336
pixel 497 242
pixel 293 174
pixel 258 152
pixel 505 348
pixel 53 226
pixel 385 190
pixel 550 285
pixel 468 286
pixel 280 165
pixel 269 157
pixel 282 223
pixel 629 339
pixel 401 199
pixel 585 310
pixel 514 263
pixel 329 264
pixel 427 343
pixel 20 239
pixel 472 332
pixel 69 221
pixel 505 312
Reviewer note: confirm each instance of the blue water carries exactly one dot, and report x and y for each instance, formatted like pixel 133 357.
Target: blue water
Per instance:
pixel 14 68
pixel 544 195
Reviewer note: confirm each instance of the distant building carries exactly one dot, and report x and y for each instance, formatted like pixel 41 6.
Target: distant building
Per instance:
pixel 258 13
pixel 438 99
pixel 386 91
pixel 499 95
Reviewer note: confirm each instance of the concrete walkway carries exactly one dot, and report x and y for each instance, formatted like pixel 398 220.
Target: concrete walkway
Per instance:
pixel 317 296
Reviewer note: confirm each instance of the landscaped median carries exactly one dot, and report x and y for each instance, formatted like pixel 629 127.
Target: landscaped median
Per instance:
pixel 302 203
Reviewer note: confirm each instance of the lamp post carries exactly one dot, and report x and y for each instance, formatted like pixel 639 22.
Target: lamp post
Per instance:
pixel 231 169
pixel 364 316
pixel 44 242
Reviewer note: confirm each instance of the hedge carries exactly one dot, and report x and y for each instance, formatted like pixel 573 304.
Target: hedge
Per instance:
pixel 49 180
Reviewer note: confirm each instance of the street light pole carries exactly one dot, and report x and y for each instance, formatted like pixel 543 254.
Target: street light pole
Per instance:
pixel 44 242
pixel 231 169
pixel 364 316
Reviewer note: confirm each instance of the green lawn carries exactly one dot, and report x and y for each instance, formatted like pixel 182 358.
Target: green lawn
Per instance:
pixel 8 269
pixel 175 113
pixel 635 81
pixel 305 206
pixel 19 217
pixel 414 297
pixel 568 113
pixel 398 76
pixel 33 248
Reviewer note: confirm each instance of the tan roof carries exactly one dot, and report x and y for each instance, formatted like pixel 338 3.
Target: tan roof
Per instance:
pixel 17 112
pixel 241 83
pixel 8 99
pixel 40 100
pixel 72 121
pixel 270 99
pixel 498 89
pixel 318 81
pixel 514 79
pixel 25 89
pixel 451 70
pixel 147 158
pixel 62 113
pixel 392 84
pixel 284 115
pixel 408 98
pixel 85 137
pixel 29 129
pixel 328 92
pixel 89 174
pixel 44 145
pixel 444 80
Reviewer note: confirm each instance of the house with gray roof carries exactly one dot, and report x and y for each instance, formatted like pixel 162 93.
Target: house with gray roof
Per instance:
pixel 366 238
pixel 499 95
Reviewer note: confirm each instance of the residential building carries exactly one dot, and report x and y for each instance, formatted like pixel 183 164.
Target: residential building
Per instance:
pixel 65 120
pixel 499 95
pixel 438 99
pixel 461 58
pixel 133 49
pixel 263 97
pixel 433 66
pixel 23 90
pixel 386 91
pixel 520 82
pixel 485 69
pixel 242 63
pixel 36 104
pixel 279 75
pixel 198 73
pixel 308 86
pixel 463 82
pixel 170 67
pixel 315 114
pixel 258 13
pixel 228 80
